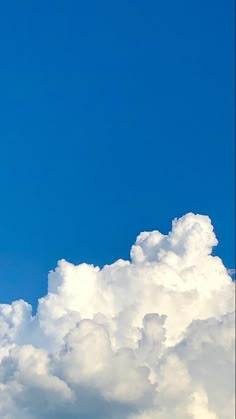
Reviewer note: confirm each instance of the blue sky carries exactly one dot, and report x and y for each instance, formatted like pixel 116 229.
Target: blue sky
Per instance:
pixel 116 117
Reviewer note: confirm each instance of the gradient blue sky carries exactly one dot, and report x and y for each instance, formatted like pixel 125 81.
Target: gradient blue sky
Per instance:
pixel 116 117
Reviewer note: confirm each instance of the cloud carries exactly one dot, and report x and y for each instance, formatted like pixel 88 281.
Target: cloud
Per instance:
pixel 232 271
pixel 148 338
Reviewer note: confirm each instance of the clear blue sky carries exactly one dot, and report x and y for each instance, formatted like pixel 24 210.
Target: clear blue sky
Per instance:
pixel 116 117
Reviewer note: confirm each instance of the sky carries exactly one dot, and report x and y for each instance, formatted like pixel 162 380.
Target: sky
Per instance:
pixel 116 117
pixel 117 179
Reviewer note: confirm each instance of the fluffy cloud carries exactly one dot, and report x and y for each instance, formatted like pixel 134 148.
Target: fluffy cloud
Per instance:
pixel 149 338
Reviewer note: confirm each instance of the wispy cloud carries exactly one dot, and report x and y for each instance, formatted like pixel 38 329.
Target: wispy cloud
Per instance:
pixel 231 271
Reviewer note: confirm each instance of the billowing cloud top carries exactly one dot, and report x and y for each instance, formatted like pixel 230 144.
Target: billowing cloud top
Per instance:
pixel 150 338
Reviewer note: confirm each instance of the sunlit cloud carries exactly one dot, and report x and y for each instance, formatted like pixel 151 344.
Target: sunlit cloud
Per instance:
pixel 148 338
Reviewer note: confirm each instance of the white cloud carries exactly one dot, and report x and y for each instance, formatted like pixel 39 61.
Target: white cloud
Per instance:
pixel 150 338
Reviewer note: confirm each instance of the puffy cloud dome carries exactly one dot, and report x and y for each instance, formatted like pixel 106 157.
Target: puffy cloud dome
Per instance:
pixel 142 339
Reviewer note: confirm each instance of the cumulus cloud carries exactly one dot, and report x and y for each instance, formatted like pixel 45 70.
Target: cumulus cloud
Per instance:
pixel 149 338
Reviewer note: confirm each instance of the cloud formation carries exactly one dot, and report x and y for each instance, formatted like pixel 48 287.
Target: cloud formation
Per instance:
pixel 149 338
